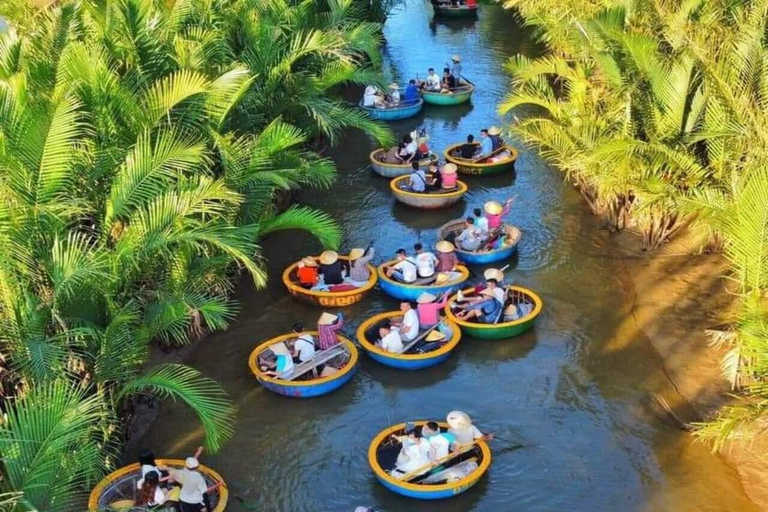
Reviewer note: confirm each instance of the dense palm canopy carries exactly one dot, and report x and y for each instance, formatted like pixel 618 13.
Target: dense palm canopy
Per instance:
pixel 143 145
pixel 673 94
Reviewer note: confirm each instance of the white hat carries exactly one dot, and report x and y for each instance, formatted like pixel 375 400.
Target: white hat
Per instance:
pixel 191 463
pixel 426 298
pixel 456 57
pixel 356 253
pixel 493 207
pixel 394 86
pixel 326 319
pixel 458 420
pixel 449 168
pixel 329 257
pixel 493 273
pixel 444 246
pixel 494 130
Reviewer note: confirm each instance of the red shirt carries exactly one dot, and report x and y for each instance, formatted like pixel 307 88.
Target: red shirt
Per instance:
pixel 446 261
pixel 307 276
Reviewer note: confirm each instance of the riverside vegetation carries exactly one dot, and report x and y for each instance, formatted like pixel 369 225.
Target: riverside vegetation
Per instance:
pixel 143 144
pixel 656 111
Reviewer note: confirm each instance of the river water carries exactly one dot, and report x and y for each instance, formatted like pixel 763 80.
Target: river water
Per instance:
pixel 575 390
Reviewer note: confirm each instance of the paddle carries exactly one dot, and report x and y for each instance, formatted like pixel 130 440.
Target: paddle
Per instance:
pixel 470 82
pixel 462 449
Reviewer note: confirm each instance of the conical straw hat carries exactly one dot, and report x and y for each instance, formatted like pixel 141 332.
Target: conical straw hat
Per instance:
pixel 329 257
pixel 493 273
pixel 458 420
pixel 494 130
pixel 456 57
pixel 435 336
pixel 356 253
pixel 426 298
pixel 308 262
pixel 444 246
pixel 493 207
pixel 326 319
pixel 449 169
pixel 394 86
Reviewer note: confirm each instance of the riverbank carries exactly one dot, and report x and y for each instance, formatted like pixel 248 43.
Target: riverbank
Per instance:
pixel 678 294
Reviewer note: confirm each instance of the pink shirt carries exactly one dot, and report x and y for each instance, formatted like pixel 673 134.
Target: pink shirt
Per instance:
pixel 429 314
pixel 494 221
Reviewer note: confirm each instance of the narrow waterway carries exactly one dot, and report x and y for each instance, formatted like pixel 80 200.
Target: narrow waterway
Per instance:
pixel 575 389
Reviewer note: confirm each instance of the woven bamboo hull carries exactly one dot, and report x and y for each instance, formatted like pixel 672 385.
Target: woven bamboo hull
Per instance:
pixel 426 201
pixel 445 99
pixel 502 330
pixel 426 492
pixel 328 299
pixel 394 114
pixel 478 169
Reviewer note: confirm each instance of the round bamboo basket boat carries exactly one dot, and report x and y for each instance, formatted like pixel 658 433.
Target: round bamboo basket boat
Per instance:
pixel 501 330
pixel 467 166
pixel 460 11
pixel 403 111
pixel 427 200
pixel 481 258
pixel 327 299
pixel 411 292
pixel 456 96
pixel 395 170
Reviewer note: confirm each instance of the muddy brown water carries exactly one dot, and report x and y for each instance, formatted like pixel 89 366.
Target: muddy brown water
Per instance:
pixel 575 390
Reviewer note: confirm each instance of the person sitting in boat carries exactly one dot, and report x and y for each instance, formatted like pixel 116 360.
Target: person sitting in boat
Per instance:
pixel 428 309
pixel 469 148
pixel 150 494
pixel 472 238
pixel 332 270
pixel 460 425
pixel 447 262
pixel 434 178
pixel 484 308
pixel 307 272
pixel 454 65
pixel 486 144
pixel 194 495
pixel 448 83
pixel 390 339
pixel 423 147
pixel 358 267
pixel 432 83
pixel 404 268
pixel 411 95
pixel 440 443
pixel 495 212
pixel 276 365
pixel 370 98
pixel 408 149
pixel 426 261
pixel 517 311
pixel 303 346
pixel 480 220
pixel 414 454
pixel 327 327
pixel 494 133
pixel 393 98
pixel 417 181
pixel 147 463
pixel 408 325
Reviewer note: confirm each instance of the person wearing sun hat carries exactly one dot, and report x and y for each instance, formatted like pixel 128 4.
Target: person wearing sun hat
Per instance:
pixel 446 256
pixel 484 308
pixel 494 212
pixel 428 309
pixel 460 425
pixel 194 490
pixel 327 327
pixel 394 95
pixel 448 176
pixel 358 268
pixel 307 272
pixel 454 64
pixel 331 268
pixel 494 133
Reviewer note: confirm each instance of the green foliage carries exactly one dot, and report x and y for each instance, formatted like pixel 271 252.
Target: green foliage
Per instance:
pixel 143 147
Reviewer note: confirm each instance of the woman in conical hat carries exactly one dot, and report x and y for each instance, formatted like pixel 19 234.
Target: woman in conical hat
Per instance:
pixel 463 430
pixel 358 268
pixel 449 175
pixel 447 261
pixel 429 308
pixel 494 273
pixel 494 212
pixel 331 268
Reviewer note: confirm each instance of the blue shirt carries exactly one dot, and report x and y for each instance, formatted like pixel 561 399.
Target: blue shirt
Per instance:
pixel 486 146
pixel 411 93
pixel 284 363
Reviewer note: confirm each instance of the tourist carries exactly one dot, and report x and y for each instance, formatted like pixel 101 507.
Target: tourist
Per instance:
pixel 194 491
pixel 454 64
pixel 472 238
pixel 358 268
pixel 469 148
pixel 404 268
pixel 517 311
pixel 307 272
pixel 440 443
pixel 408 326
pixel 331 268
pixel 408 149
pixel 448 175
pixel 147 463
pixel 434 178
pixel 494 133
pixel 429 308
pixel 411 95
pixel 370 98
pixel 463 430
pixel 480 220
pixel 390 339
pixel 433 81
pixel 150 494
pixel 485 308
pixel 486 143
pixel 393 99
pixel 446 256
pixel 449 82
pixel 414 454
pixel 417 181
pixel 494 212
pixel 277 365
pixel 327 326
pixel 304 346
pixel 425 261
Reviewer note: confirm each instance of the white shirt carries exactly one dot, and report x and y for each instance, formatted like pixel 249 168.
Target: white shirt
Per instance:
pixel 305 347
pixel 411 147
pixel 433 81
pixel 159 497
pixel 410 324
pixel 146 468
pixel 499 295
pixel 482 223
pixel 413 455
pixel 193 485
pixel 395 95
pixel 466 435
pixel 392 342
pixel 441 444
pixel 426 262
pixel 408 268
pixel 369 100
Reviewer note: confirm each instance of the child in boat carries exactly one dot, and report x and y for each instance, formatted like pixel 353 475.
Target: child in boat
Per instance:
pixel 414 453
pixel 276 365
pixel 307 272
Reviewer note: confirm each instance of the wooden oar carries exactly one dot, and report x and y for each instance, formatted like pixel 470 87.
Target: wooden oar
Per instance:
pixel 419 338
pixel 462 449
pixel 470 82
